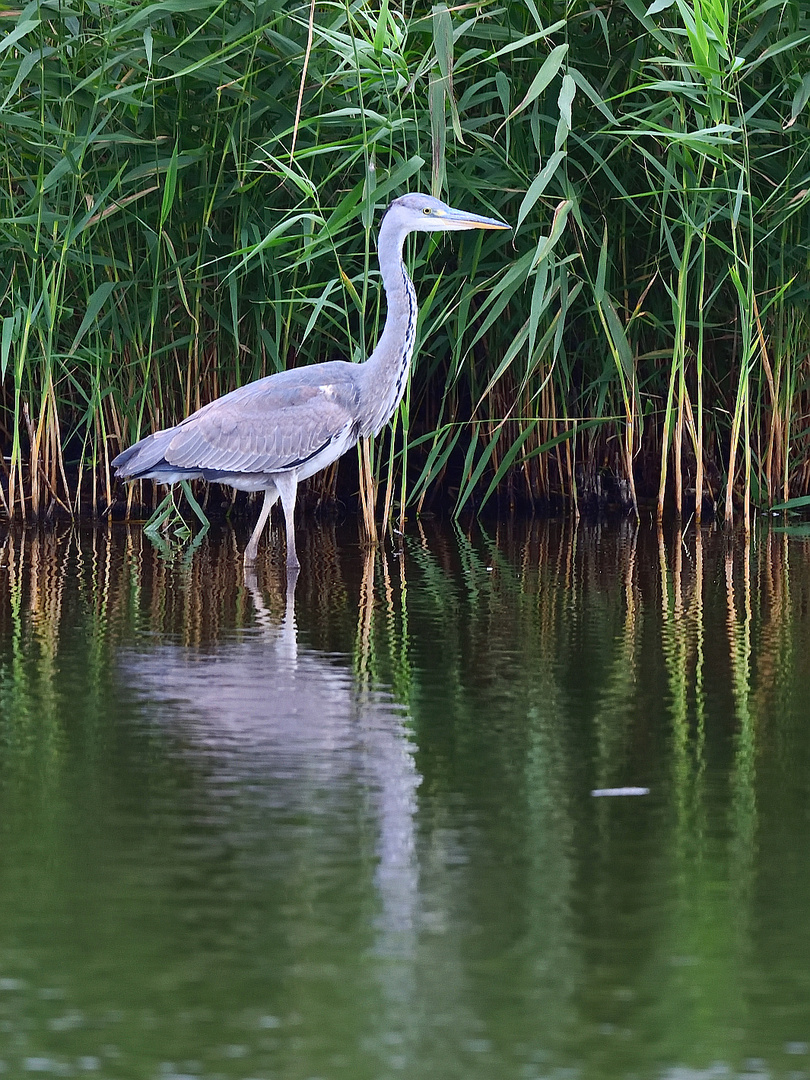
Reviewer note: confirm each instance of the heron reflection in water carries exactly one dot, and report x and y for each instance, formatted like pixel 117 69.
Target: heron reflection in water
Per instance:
pixel 296 732
pixel 274 432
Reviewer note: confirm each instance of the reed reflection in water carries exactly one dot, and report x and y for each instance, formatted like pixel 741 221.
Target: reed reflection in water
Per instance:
pixel 348 831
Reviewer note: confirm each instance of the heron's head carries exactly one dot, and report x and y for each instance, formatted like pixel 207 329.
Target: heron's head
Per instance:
pixel 423 213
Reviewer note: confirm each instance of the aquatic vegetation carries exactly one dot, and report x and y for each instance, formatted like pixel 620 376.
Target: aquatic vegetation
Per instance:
pixel 190 199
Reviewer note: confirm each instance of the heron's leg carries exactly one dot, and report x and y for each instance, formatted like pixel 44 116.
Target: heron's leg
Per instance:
pixel 252 549
pixel 287 484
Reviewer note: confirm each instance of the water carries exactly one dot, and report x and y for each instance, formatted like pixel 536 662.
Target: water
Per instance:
pixel 353 836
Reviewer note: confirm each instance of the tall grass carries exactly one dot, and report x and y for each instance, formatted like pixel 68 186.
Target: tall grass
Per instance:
pixel 190 198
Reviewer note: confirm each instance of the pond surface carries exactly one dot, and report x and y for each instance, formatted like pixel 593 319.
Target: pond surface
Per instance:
pixel 351 834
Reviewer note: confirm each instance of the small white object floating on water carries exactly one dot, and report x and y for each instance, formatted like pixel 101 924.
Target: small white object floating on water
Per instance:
pixel 598 792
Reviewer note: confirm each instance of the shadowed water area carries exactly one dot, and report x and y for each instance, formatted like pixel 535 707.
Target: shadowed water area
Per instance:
pixel 351 834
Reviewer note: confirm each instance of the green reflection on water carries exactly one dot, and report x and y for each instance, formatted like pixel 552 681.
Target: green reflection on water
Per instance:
pixel 352 835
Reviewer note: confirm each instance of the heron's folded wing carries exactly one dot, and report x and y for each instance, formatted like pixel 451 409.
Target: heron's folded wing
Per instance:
pixel 262 429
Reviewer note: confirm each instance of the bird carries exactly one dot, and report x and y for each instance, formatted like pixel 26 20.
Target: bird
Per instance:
pixel 274 432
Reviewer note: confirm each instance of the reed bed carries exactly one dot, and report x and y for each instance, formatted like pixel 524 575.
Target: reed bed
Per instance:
pixel 190 196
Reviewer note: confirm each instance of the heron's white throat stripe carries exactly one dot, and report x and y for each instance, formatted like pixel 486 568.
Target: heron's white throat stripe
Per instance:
pixel 410 338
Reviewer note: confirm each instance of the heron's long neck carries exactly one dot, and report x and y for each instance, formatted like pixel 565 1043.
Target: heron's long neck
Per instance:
pixel 385 373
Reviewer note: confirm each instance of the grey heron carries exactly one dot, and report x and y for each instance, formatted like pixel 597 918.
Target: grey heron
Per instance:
pixel 274 432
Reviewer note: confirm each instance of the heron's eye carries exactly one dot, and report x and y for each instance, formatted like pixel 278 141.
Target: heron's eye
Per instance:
pixel 426 210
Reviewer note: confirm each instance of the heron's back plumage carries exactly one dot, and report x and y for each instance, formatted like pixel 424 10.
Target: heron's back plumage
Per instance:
pixel 284 422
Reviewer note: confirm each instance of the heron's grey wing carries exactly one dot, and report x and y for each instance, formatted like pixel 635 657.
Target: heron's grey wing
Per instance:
pixel 263 427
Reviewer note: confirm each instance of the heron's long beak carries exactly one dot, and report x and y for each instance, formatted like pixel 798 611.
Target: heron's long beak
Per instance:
pixel 460 219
